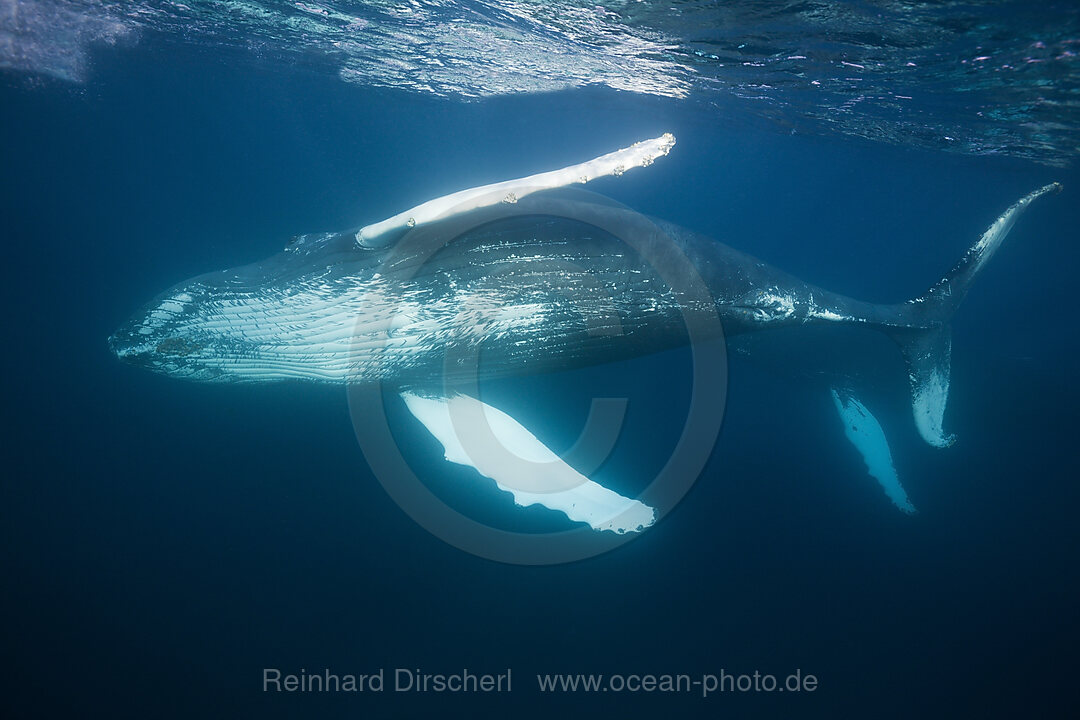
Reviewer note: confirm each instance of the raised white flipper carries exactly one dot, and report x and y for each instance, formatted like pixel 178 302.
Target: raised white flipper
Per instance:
pixel 865 433
pixel 503 450
pixel 640 154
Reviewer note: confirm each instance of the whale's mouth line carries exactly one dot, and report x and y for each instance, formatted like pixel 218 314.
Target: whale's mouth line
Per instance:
pixel 132 354
pixel 118 347
pixel 138 351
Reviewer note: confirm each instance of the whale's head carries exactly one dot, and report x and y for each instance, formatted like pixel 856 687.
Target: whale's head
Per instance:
pixel 171 334
pixel 543 282
pixel 286 316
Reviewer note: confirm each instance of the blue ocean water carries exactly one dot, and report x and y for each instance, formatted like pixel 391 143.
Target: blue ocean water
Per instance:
pixel 167 541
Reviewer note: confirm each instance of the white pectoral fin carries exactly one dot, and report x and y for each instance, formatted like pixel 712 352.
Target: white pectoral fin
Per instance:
pixel 640 154
pixel 480 436
pixel 865 433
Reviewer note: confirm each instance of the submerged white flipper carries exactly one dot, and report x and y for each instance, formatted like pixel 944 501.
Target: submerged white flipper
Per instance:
pixel 641 154
pixel 522 465
pixel 865 433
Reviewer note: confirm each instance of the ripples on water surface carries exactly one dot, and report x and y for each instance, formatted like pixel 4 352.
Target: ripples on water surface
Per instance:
pixel 976 77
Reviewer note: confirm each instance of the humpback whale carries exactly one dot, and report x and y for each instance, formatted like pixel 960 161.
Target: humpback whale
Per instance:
pixel 527 276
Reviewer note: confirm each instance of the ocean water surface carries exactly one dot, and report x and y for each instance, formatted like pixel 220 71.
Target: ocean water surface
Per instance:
pixel 167 542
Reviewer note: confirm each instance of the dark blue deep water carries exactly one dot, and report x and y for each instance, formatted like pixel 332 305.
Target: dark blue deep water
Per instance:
pixel 165 541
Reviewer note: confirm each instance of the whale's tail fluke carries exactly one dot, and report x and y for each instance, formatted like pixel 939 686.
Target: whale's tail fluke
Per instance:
pixel 941 301
pixel 926 338
pixel 928 355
